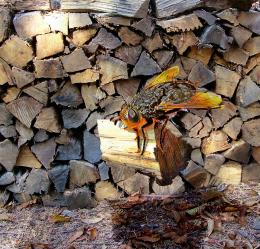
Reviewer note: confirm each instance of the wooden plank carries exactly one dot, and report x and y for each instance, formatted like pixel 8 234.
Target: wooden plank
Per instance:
pixel 129 8
pixel 119 147
pixel 166 8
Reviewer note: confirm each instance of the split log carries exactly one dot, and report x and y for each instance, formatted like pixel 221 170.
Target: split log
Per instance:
pixel 183 23
pixel 16 52
pixel 119 147
pixel 133 8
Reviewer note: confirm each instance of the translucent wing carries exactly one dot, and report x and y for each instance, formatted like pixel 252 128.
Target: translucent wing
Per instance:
pixel 200 100
pixel 165 76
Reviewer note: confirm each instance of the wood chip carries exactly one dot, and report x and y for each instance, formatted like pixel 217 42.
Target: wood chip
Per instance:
pixel 22 78
pixel 145 25
pixel 216 35
pixel 48 120
pixel 45 152
pixel 5 22
pixel 253 46
pixel 74 118
pixel 183 23
pixel 237 56
pixel 196 175
pixel 163 57
pixel 11 94
pixel 16 52
pixel 145 66
pixel 87 76
pixel 127 88
pixel 111 69
pixel 252 62
pixel 59 176
pixel 247 92
pixel 81 36
pixel 81 173
pixel 230 173
pixel 183 41
pixel 25 109
pixel 106 191
pixel 256 153
pixel 38 92
pixel 105 18
pixel 226 81
pixel 189 120
pixel 200 54
pixel 221 116
pixel 3 75
pixel 58 21
pixel 128 54
pixel 106 40
pixel 153 43
pixel 69 95
pixel 8 154
pixel 129 37
pixel 201 74
pixel 233 127
pixel 255 74
pixel 51 68
pixel 251 173
pixel 134 183
pixel 75 61
pixel 250 20
pixel 49 44
pixel 78 20
pixel 206 16
pixel 239 151
pixel 241 35
pixel 37 182
pixel 213 163
pixel 229 15
pixel 27 159
pixel 30 24
pixel 251 131
pixel 88 93
pixel 249 112
pixel 217 141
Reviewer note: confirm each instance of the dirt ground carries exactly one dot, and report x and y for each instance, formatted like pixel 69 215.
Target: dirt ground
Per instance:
pixel 140 222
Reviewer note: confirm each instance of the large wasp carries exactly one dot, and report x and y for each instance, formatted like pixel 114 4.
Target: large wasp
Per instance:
pixel 161 96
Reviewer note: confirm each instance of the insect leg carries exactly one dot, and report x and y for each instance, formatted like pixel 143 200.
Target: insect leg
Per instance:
pixel 143 129
pixel 138 139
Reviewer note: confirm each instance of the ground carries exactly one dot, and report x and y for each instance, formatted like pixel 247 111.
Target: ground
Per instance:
pixel 227 217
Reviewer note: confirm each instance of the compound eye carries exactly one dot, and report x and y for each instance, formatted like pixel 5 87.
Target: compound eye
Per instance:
pixel 132 115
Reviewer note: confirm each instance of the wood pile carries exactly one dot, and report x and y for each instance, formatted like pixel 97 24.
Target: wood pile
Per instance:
pixel 62 71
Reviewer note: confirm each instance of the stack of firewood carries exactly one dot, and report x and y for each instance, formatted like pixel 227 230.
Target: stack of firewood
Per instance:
pixel 61 71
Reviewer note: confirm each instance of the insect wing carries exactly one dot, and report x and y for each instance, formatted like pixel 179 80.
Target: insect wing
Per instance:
pixel 200 100
pixel 165 76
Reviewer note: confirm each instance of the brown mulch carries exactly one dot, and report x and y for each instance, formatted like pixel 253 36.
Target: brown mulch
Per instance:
pixel 210 218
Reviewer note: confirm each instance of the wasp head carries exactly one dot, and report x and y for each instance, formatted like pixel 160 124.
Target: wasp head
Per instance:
pixel 129 116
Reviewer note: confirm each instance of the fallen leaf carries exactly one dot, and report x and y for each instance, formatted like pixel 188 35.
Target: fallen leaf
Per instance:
pixel 57 218
pixel 5 217
pixel 37 246
pixel 242 215
pixel 196 210
pixel 210 226
pixel 92 233
pixel 76 235
pixel 27 204
pixel 211 194
pixel 92 220
pixel 149 238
